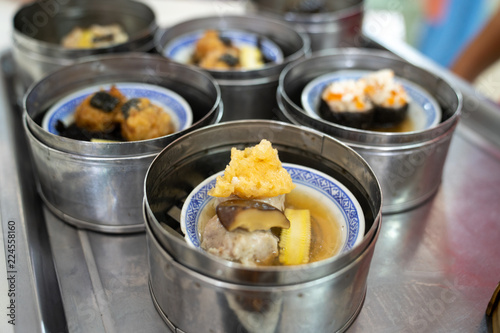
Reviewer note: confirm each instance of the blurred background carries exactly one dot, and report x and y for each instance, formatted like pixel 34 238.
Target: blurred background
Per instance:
pixel 440 29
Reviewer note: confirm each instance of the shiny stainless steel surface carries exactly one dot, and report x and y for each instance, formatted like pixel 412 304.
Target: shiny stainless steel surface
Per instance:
pixel 247 94
pixel 408 165
pixel 91 192
pixel 37 297
pixel 103 280
pixel 182 165
pixel 328 23
pixel 195 302
pixel 437 264
pixel 434 269
pixel 40 26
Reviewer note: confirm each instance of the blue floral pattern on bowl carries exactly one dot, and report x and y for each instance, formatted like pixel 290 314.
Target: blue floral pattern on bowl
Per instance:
pixel 342 200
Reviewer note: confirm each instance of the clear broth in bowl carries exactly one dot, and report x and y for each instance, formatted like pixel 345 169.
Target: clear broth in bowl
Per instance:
pixel 326 231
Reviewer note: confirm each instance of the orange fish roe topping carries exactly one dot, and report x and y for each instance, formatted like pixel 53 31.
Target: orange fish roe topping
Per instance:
pixel 383 90
pixel 346 95
pixel 360 105
pixel 333 96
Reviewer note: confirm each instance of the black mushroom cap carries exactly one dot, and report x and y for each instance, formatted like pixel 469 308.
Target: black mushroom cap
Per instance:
pixel 104 101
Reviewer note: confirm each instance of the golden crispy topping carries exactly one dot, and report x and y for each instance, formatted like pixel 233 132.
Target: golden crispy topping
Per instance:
pixel 255 172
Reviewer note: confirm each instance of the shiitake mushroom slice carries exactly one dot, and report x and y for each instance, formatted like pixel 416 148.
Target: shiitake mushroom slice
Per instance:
pixel 250 215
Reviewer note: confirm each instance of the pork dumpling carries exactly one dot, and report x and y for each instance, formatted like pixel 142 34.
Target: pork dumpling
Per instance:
pixel 98 112
pixel 143 120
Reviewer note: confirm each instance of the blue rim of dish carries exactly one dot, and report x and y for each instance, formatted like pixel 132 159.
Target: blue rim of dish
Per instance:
pixel 336 192
pixel 312 91
pixel 171 102
pixel 269 49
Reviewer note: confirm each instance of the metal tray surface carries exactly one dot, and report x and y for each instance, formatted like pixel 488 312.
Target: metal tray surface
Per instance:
pixel 434 269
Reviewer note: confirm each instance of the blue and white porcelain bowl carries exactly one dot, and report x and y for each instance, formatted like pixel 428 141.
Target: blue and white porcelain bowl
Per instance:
pixel 327 190
pixel 423 109
pixel 169 101
pixel 181 48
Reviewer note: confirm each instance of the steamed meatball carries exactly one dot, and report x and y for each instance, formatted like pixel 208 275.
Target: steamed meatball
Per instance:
pixel 250 248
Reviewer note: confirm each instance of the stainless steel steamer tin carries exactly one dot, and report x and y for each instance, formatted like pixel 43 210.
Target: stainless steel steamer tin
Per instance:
pixel 194 291
pixel 408 165
pixel 192 302
pixel 38 28
pixel 99 186
pixel 247 94
pixel 329 24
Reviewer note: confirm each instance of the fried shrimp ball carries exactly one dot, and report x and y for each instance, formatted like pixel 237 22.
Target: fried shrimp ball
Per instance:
pixel 215 52
pixel 220 60
pixel 210 42
pixel 254 172
pixel 99 111
pixel 143 120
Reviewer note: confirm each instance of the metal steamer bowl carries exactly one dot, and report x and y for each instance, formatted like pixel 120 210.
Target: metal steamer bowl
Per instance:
pixel 98 186
pixel 39 27
pixel 408 165
pixel 247 94
pixel 329 23
pixel 195 291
